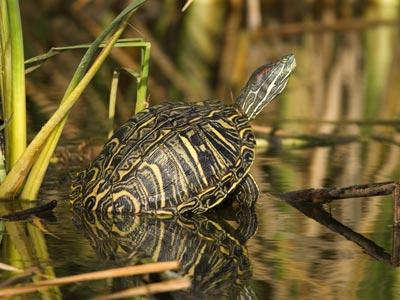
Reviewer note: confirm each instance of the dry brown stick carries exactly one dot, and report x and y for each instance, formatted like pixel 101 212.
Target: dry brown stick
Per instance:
pixel 268 131
pixel 26 213
pixel 385 139
pixel 325 195
pixel 117 272
pixel 162 60
pixel 261 129
pixel 396 205
pixel 153 288
pixel 229 47
pixel 338 25
pixel 18 278
pixel 396 246
pixel 10 268
pixel 367 122
pixel 118 54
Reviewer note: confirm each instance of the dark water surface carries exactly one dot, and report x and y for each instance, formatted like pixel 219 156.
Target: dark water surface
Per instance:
pixel 345 76
pixel 290 256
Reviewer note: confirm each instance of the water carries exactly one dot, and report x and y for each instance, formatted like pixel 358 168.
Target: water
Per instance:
pixel 291 255
pixel 346 77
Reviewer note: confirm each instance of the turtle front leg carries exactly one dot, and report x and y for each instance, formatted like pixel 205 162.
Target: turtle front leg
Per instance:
pixel 246 193
pixel 243 199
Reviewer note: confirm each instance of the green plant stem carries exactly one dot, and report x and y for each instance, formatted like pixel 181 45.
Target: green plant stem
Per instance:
pixel 142 81
pixel 15 179
pixel 113 101
pixel 15 109
pixel 5 64
pixel 33 63
pixel 36 176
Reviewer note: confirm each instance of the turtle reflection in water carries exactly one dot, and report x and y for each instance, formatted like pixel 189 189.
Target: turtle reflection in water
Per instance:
pixel 212 253
pixel 180 157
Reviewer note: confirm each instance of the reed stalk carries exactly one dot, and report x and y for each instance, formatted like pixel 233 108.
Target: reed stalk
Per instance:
pixel 141 81
pixel 111 273
pixel 149 289
pixel 35 62
pixel 12 81
pixel 14 180
pixel 112 101
pixel 5 81
pixel 143 77
pixel 39 168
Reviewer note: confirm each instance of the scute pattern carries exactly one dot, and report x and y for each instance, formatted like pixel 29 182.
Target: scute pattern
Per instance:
pixel 168 159
pixel 212 253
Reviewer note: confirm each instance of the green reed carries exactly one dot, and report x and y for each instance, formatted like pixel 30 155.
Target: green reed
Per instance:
pixel 12 78
pixel 30 164
pixel 25 243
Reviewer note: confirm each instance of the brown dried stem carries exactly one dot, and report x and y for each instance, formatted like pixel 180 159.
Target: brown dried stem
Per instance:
pixel 396 205
pixel 338 25
pixel 153 288
pixel 325 195
pixel 117 272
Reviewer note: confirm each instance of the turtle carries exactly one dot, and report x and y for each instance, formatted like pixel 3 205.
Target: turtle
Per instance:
pixel 178 157
pixel 210 248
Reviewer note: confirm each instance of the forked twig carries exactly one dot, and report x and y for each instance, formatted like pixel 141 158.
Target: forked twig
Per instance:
pixel 318 214
pixel 309 202
pixel 325 195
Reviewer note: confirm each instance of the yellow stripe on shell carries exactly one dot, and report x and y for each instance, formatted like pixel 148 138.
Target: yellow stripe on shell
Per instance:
pixel 195 157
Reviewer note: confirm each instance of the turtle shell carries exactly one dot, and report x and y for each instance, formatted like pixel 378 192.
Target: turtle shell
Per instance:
pixel 170 158
pixel 211 251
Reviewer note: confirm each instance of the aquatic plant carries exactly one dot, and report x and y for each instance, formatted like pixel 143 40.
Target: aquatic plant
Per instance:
pixel 30 164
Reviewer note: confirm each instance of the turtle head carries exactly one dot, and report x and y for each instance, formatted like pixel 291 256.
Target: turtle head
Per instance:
pixel 267 82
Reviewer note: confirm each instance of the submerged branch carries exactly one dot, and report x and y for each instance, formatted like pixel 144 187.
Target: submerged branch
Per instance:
pixel 318 214
pixel 26 213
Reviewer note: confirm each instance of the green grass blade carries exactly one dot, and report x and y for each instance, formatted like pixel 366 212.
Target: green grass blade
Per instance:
pixel 5 57
pixel 15 178
pixel 13 78
pixel 33 63
pixel 113 94
pixel 39 168
pixel 5 67
pixel 141 97
pixel 113 101
pixel 83 66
